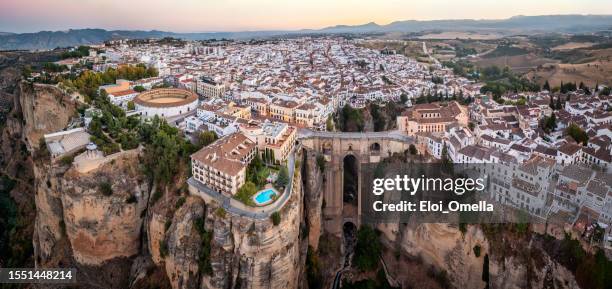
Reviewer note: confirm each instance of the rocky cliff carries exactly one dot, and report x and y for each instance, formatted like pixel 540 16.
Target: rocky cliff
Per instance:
pixel 27 111
pixel 313 180
pixel 255 253
pixel 102 225
pixel 184 245
pixel 452 254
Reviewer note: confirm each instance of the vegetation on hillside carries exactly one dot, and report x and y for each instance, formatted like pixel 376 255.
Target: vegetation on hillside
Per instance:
pixel 591 270
pixel 350 119
pixel 368 249
pixel 313 269
pixel 81 51
pixel 16 249
pixel 506 50
pixel 204 266
pixel 89 81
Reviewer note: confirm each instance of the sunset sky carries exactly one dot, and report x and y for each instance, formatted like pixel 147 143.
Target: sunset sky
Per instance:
pixel 240 15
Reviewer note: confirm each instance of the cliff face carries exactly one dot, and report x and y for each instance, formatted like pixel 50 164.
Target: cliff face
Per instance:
pixel 313 198
pixel 445 248
pixel 45 109
pixel 34 110
pixel 77 223
pixel 117 238
pixel 251 253
pixel 99 225
pixel 184 245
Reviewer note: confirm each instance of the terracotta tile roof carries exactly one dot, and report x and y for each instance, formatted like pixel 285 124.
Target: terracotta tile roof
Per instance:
pixel 226 154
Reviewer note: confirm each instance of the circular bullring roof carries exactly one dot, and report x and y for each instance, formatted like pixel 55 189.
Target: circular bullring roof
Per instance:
pixel 166 97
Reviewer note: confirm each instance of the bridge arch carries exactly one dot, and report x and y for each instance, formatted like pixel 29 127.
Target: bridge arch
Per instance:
pixel 346 152
pixel 350 183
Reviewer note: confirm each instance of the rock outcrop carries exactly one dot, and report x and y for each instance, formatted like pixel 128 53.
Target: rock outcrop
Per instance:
pixel 45 109
pixel 445 248
pixel 184 245
pixel 255 253
pixel 102 225
pixel 313 198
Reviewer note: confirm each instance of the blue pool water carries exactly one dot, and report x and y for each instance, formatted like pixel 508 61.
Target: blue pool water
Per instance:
pixel 265 196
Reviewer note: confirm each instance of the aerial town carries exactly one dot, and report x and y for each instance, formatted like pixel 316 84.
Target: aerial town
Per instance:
pixel 258 99
pixel 249 106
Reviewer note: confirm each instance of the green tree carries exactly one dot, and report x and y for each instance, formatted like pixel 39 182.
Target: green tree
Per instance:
pixel 246 192
pixel 578 134
pixel 412 149
pixel 549 124
pixel 283 177
pixel 377 117
pixel 276 218
pixel 257 172
pixel 164 151
pixel 205 138
pixel 139 88
pixel 351 120
pixel 329 124
pixel 131 106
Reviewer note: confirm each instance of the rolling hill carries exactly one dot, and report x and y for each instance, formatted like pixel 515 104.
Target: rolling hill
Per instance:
pixel 517 24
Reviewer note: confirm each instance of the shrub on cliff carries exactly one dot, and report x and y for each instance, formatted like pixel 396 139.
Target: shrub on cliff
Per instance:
pixel 204 258
pixel 276 218
pixel 313 270
pixel 67 160
pixel 477 251
pixel 106 188
pixel 180 202
pixel 163 249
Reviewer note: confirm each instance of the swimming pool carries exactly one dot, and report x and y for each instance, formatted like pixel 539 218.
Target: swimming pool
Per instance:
pixel 264 197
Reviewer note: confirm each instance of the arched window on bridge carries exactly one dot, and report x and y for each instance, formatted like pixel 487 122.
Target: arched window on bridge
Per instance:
pixel 375 148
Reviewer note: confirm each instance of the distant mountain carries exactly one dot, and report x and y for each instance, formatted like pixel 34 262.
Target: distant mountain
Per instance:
pixel 517 24
pixel 559 23
pixel 52 39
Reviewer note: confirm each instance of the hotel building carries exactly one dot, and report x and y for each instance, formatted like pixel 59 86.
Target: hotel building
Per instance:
pixel 222 165
pixel 274 140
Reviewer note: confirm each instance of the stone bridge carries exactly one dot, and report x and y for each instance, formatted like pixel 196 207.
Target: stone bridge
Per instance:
pixel 349 151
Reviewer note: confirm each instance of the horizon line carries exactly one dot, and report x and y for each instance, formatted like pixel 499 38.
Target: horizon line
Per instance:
pixel 246 30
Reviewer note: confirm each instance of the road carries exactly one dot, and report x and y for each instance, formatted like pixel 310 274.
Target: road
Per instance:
pixel 392 134
pixel 427 52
